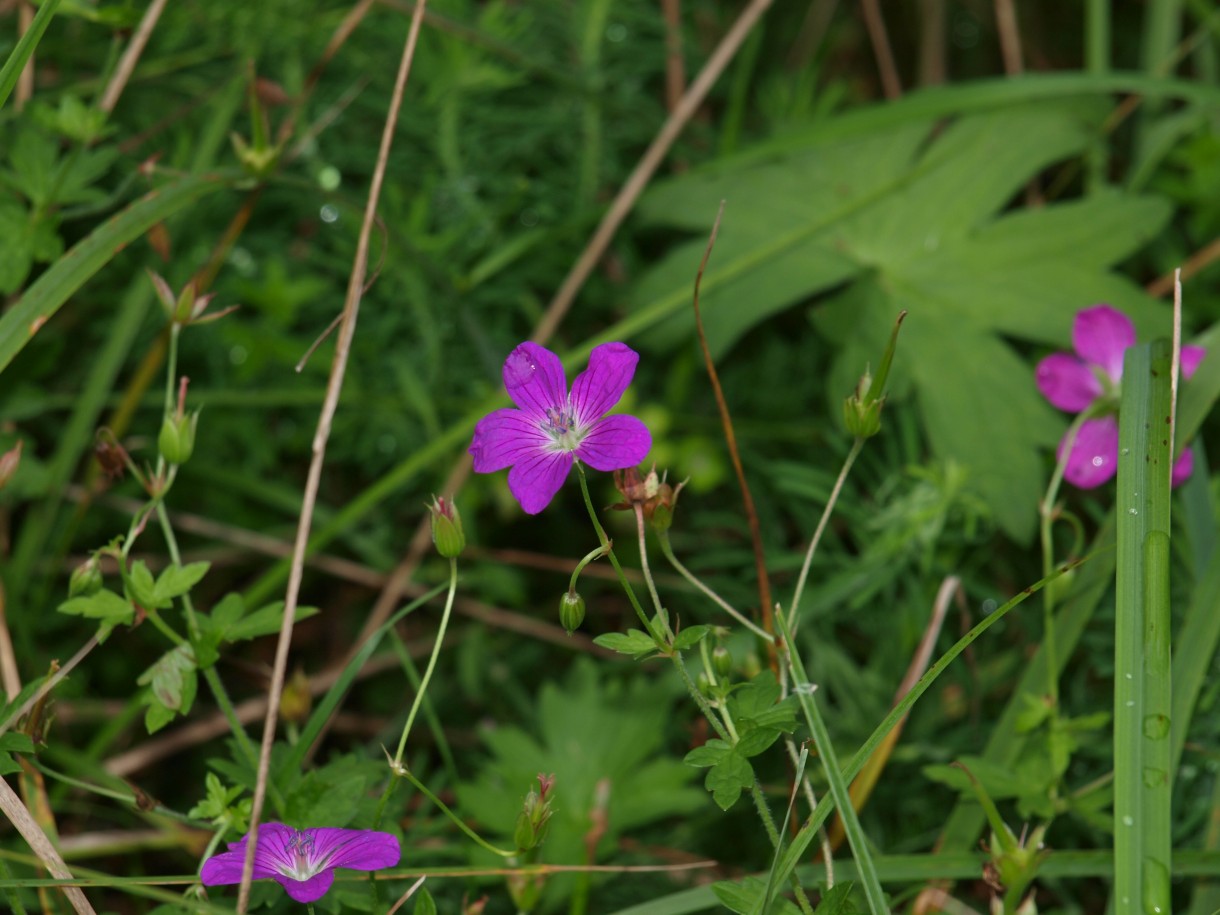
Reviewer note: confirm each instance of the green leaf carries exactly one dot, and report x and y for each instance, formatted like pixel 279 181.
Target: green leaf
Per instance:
pixel 106 606
pixel 173 679
pixel 836 900
pixel 13 742
pixel 690 637
pixel 11 71
pixel 424 905
pixel 742 896
pixel 142 588
pixel 709 754
pixel 634 642
pixel 728 778
pixel 157 717
pixel 177 580
pixel 265 621
pixel 915 217
pixel 228 610
pixel 70 272
pixel 16 247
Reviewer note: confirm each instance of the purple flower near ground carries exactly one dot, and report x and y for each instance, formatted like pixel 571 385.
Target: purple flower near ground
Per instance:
pixel 1077 382
pixel 303 861
pixel 552 427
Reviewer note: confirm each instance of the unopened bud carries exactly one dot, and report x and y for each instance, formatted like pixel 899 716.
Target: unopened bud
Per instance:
pixel 704 682
pixel 447 531
pixel 571 611
pixel 862 410
pixel 535 815
pixel 722 661
pixel 177 439
pixel 86 579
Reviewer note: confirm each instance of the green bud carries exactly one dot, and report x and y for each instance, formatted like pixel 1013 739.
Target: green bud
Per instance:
pixel 704 682
pixel 535 816
pixel 177 439
pixel 447 531
pixel 722 661
pixel 862 410
pixel 86 579
pixel 571 611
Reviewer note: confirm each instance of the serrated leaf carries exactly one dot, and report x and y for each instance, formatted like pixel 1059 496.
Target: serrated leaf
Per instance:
pixel 742 897
pixel 265 621
pixel 16 248
pixel 690 637
pixel 141 587
pixel 172 678
pixel 103 605
pixel 634 642
pixel 757 696
pixel 927 233
pixel 177 580
pixel 228 610
pixel 709 754
pixel 728 778
pixel 836 900
pixel 424 904
pixel 16 742
pixel 755 740
pixel 157 717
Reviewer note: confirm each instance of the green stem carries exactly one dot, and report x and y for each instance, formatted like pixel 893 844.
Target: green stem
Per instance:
pixel 700 699
pixel 580 566
pixel 608 546
pixel 856 447
pixel 641 532
pixel 436 650
pixel 668 551
pixel 474 836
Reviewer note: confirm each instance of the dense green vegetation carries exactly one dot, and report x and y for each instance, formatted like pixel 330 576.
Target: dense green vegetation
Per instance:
pixel 183 195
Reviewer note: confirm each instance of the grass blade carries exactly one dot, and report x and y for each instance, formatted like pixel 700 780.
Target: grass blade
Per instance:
pixel 11 71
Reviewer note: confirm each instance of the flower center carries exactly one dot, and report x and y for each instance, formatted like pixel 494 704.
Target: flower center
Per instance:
pixel 300 864
pixel 560 425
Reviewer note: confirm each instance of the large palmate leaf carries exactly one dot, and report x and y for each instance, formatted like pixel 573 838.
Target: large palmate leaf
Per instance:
pixel 864 223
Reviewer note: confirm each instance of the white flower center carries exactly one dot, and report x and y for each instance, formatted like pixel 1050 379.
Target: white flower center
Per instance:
pixel 301 865
pixel 561 426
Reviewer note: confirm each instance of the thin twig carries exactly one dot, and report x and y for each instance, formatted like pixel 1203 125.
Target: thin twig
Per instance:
pixel 730 438
pixel 1204 257
pixel 334 386
pixel 1010 37
pixel 10 673
pixel 875 23
pixel 131 55
pixel 643 172
pixel 932 68
pixel 24 90
pixel 20 817
pixel 675 72
pixel 53 682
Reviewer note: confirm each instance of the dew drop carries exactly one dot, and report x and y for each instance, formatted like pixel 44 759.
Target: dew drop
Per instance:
pixel 1128 820
pixel 1130 703
pixel 328 213
pixel 1098 460
pixel 1128 676
pixel 1133 511
pixel 1125 451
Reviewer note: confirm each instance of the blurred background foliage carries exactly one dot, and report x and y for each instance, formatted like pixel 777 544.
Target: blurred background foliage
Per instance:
pixel 1008 175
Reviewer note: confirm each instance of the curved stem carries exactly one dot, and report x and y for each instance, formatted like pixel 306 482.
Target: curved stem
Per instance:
pixel 668 551
pixel 436 650
pixel 856 447
pixel 647 571
pixel 483 843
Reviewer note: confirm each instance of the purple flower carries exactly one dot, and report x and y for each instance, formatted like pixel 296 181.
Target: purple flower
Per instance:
pixel 552 427
pixel 1100 336
pixel 303 861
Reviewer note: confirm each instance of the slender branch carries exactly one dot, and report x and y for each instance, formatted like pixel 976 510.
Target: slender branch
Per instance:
pixel 127 63
pixel 730 438
pixel 20 817
pixel 668 550
pixel 343 345
pixel 875 23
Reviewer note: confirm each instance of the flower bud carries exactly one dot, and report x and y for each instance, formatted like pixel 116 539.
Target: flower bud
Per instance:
pixel 722 661
pixel 535 815
pixel 177 439
pixel 571 611
pixel 704 682
pixel 862 410
pixel 447 531
pixel 86 579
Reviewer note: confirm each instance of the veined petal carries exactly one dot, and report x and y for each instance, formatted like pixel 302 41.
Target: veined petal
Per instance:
pixel 1066 382
pixel 1094 457
pixel 272 851
pixel 1191 357
pixel 534 379
pixel 598 388
pixel 1183 467
pixel 615 442
pixel 359 849
pixel 534 480
pixel 504 437
pixel 310 890
pixel 1101 335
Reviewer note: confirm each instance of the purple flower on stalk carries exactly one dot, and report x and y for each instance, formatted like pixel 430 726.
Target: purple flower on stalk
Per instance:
pixel 1089 380
pixel 552 428
pixel 303 861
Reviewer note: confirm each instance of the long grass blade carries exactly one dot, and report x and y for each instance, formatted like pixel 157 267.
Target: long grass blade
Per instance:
pixel 11 71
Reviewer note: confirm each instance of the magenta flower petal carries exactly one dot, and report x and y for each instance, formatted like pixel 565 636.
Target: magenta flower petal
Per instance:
pixel 598 388
pixel 1067 382
pixel 504 437
pixel 535 480
pixel 1191 357
pixel 1101 335
pixel 303 860
pixel 1094 457
pixel 614 443
pixel 1183 467
pixel 534 379
pixel 310 890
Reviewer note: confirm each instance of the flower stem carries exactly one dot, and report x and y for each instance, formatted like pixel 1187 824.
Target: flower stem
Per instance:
pixel 580 566
pixel 641 532
pixel 668 551
pixel 436 650
pixel 483 843
pixel 856 447
pixel 608 546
